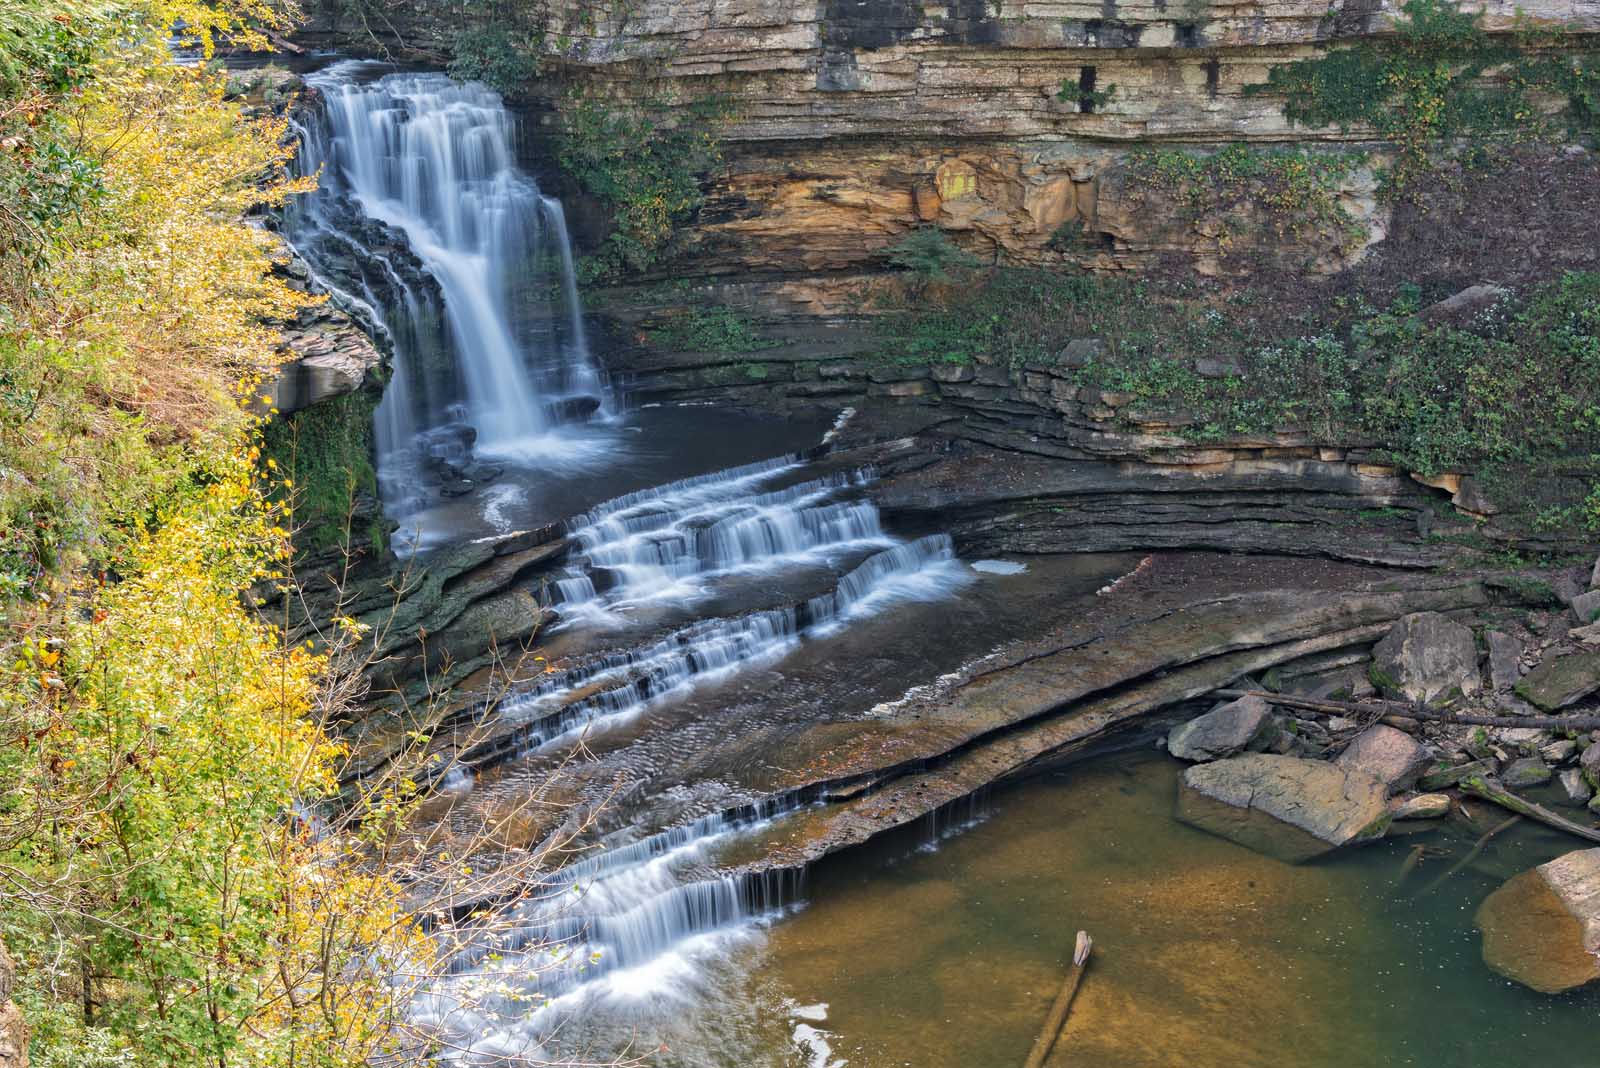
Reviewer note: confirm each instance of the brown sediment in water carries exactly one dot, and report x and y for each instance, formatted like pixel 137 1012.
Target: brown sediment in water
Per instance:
pixel 1202 956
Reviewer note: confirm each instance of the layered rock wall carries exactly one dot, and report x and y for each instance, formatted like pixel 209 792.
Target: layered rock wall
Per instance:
pixel 1009 124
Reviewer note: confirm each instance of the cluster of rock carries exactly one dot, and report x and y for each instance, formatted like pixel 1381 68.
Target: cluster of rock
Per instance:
pixel 1264 778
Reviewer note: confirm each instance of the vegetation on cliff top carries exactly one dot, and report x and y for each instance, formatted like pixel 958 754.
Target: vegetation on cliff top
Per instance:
pixel 1512 394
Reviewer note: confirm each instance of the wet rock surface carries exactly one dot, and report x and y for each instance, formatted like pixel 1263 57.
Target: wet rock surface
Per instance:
pixel 1283 806
pixel 1542 928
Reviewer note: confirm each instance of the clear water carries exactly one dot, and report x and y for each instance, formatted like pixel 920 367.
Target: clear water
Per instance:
pixel 946 953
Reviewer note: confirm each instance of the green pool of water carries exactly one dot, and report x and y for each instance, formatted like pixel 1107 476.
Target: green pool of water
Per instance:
pixel 1207 955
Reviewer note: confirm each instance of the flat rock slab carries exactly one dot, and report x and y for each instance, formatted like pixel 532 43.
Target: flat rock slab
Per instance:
pixel 1560 682
pixel 1542 928
pixel 1283 806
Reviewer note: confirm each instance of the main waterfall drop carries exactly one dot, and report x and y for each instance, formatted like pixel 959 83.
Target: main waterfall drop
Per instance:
pixel 424 217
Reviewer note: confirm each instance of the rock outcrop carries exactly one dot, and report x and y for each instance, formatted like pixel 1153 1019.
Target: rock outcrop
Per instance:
pixel 1011 126
pixel 1284 806
pixel 1542 928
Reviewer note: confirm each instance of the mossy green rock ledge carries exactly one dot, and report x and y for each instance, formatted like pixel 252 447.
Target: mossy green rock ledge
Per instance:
pixel 1542 928
pixel 1558 683
pixel 1292 809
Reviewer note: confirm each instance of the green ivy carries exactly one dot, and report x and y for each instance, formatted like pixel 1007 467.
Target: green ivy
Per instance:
pixel 711 330
pixel 493 55
pixel 1430 82
pixel 1298 191
pixel 645 161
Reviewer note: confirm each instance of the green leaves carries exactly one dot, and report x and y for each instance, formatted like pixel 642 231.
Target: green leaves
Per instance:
pixel 644 160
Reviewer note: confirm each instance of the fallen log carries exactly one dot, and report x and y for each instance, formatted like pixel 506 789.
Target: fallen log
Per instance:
pixel 1063 1003
pixel 1473 854
pixel 1490 790
pixel 1400 708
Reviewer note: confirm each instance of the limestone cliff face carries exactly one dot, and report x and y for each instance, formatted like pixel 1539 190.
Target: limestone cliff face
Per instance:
pixel 1005 122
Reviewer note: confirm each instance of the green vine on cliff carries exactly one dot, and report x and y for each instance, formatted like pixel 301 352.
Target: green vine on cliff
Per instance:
pixel 645 161
pixel 1440 77
pixel 1299 192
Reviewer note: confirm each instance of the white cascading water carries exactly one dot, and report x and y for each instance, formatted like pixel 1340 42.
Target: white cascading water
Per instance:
pixel 640 923
pixel 627 922
pixel 434 160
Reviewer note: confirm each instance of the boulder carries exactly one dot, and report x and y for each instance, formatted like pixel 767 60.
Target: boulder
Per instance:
pixel 1081 352
pixel 1575 789
pixel 1422 807
pixel 1284 806
pixel 1594 576
pixel 1560 751
pixel 1426 657
pixel 1589 764
pixel 1529 771
pixel 1505 656
pixel 1542 928
pixel 1224 731
pixel 1561 681
pixel 1586 606
pixel 1207 367
pixel 1392 757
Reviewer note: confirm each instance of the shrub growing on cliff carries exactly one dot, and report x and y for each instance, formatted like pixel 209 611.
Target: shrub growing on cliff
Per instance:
pixel 645 161
pixel 929 252
pixel 496 57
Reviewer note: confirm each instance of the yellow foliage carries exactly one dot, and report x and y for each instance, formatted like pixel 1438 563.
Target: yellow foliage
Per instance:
pixel 165 765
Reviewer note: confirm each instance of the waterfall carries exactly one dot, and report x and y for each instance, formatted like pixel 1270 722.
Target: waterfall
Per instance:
pixel 420 171
pixel 666 543
pixel 627 918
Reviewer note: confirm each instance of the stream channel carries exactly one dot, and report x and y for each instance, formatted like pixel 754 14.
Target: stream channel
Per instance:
pixel 723 589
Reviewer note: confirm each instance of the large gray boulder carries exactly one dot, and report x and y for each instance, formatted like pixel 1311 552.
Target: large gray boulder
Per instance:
pixel 1542 928
pixel 1391 756
pixel 1282 806
pixel 1426 657
pixel 1224 731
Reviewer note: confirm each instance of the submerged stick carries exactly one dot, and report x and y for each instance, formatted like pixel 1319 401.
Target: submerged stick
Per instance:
pixel 1490 790
pixel 1063 1003
pixel 1400 708
pixel 1473 854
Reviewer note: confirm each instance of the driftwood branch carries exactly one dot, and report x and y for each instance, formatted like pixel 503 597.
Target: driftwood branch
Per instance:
pixel 1472 855
pixel 1063 1003
pixel 1490 790
pixel 1400 708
